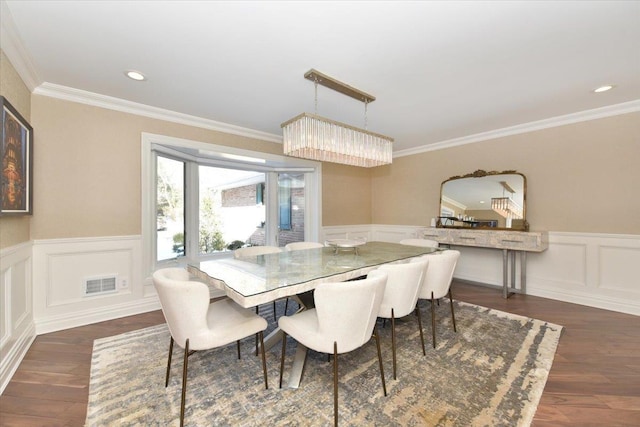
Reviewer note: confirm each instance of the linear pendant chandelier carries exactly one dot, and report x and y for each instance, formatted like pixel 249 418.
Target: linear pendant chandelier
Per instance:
pixel 310 136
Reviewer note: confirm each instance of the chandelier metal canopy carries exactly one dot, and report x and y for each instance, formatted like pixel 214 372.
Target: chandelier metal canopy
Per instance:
pixel 311 136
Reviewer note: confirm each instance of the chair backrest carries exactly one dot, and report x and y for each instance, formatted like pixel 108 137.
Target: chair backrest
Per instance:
pixel 403 285
pixel 439 274
pixel 184 303
pixel 294 246
pixel 420 242
pixel 255 251
pixel 347 311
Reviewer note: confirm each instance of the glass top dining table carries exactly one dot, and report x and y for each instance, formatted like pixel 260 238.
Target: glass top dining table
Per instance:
pixel 255 280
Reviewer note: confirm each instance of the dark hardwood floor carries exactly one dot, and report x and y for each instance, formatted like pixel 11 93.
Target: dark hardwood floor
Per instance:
pixel 594 381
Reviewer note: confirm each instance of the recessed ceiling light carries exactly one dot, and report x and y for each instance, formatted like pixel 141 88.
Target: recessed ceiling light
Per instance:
pixel 603 88
pixel 135 75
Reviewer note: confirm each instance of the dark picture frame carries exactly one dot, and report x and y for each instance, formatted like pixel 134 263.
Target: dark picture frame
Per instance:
pixel 16 153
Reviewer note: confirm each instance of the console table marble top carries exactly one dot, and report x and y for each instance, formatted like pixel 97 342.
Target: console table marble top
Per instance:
pixel 529 241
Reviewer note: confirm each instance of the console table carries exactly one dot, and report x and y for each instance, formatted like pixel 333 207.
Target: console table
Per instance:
pixel 509 242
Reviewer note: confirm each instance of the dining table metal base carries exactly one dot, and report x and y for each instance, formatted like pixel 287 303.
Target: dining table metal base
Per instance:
pixel 305 301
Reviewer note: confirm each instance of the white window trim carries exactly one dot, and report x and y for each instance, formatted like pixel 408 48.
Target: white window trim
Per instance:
pixel 273 164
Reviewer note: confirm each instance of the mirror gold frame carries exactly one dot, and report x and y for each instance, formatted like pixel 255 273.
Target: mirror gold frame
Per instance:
pixel 504 193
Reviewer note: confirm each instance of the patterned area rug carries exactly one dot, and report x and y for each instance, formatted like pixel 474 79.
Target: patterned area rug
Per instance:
pixel 491 373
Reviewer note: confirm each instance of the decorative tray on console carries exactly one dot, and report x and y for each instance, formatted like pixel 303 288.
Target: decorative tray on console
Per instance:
pixel 345 244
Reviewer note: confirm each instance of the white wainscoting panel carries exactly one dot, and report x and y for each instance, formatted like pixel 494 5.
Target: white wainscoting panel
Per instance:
pixel 593 269
pixel 62 265
pixel 17 330
pixel 346 232
pixel 613 268
pixel 598 270
pixel 41 282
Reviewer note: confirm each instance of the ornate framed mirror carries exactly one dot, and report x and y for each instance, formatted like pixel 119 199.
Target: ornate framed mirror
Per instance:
pixel 484 200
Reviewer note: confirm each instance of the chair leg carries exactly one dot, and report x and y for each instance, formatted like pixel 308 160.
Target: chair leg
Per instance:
pixel 433 321
pixel 424 353
pixel 335 383
pixel 384 385
pixel 256 345
pixel 166 381
pixel 393 342
pixel 264 360
pixel 257 310
pixel 184 381
pixel 286 306
pixel 274 312
pixel 284 350
pixel 238 345
pixel 453 316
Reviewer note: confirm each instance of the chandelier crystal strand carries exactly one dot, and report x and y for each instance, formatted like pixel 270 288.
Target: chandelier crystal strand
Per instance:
pixel 317 138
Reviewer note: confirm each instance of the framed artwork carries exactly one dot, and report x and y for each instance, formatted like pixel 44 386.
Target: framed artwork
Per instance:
pixel 16 152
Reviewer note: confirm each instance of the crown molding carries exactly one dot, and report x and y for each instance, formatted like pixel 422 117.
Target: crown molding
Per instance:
pixel 582 116
pixel 453 202
pixel 89 98
pixel 12 46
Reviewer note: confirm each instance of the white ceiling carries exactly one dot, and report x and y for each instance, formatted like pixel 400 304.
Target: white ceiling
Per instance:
pixel 440 71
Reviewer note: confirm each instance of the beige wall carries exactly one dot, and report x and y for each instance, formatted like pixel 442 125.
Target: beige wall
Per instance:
pixel 14 229
pixel 582 177
pixel 346 195
pixel 88 171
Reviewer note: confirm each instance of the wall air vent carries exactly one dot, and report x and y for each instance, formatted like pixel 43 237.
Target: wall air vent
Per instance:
pixel 100 285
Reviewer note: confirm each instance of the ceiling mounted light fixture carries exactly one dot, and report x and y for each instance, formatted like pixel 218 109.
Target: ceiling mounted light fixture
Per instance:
pixel 603 88
pixel 310 136
pixel 135 75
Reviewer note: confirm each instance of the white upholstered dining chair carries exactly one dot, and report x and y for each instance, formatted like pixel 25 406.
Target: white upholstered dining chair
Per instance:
pixel 343 320
pixel 251 251
pixel 296 246
pixel 255 251
pixel 401 296
pixel 436 283
pixel 196 324
pixel 420 242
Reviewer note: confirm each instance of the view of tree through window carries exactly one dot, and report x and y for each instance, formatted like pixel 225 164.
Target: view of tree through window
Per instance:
pixel 170 208
pixel 232 209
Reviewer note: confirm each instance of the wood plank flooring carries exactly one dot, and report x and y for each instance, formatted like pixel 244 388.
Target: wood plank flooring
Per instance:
pixel 594 381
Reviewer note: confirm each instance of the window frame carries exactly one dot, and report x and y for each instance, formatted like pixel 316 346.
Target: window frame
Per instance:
pixel 196 153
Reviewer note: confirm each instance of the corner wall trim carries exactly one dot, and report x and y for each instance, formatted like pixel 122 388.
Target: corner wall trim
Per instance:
pixel 581 116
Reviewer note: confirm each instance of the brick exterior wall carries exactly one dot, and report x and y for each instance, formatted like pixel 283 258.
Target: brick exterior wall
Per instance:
pixel 296 234
pixel 239 196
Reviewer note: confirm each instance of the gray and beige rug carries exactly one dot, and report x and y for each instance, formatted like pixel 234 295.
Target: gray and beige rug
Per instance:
pixel 491 373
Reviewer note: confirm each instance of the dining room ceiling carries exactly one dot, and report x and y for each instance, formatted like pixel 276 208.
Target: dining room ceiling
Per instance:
pixel 440 70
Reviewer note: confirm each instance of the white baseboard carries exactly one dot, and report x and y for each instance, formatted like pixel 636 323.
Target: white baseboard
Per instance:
pixel 17 330
pixel 78 317
pixel 14 355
